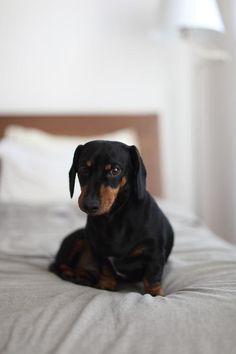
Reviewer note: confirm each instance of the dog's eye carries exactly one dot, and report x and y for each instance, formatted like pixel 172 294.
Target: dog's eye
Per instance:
pixel 115 171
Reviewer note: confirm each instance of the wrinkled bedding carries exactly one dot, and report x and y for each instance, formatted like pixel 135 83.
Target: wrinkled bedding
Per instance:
pixel 43 314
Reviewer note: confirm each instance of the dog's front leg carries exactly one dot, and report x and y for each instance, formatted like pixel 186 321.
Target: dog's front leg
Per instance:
pixel 153 276
pixel 107 279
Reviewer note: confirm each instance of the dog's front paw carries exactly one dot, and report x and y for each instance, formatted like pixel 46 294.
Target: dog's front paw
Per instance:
pixel 153 289
pixel 107 280
pixel 106 284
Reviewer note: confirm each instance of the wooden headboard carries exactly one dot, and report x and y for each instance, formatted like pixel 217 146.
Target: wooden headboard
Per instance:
pixel 145 125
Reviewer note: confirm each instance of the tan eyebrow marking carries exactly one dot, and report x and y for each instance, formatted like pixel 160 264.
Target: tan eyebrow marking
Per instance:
pixel 89 163
pixel 107 167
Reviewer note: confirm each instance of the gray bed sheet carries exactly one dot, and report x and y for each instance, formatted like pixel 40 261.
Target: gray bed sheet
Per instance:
pixel 43 314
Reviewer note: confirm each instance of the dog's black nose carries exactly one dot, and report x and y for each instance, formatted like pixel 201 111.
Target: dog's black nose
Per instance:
pixel 91 206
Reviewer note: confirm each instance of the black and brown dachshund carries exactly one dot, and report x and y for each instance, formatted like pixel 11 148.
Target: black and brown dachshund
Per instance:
pixel 126 236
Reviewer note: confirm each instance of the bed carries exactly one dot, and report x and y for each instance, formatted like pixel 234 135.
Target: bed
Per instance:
pixel 44 314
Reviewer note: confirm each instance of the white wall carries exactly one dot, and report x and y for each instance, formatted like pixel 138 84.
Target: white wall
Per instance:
pixel 217 136
pixel 78 55
pixel 97 56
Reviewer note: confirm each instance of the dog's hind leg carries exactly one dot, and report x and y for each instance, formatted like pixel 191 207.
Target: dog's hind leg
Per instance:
pixel 74 261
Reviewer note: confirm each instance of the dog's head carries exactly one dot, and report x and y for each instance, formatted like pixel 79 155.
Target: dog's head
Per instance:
pixel 106 171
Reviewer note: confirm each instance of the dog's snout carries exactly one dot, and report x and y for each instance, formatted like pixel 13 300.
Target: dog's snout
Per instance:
pixel 91 205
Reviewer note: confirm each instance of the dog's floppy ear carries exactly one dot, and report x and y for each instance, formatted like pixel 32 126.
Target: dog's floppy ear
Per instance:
pixel 139 172
pixel 73 169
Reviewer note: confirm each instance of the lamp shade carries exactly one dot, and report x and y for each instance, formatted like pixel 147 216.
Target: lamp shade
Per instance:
pixel 203 14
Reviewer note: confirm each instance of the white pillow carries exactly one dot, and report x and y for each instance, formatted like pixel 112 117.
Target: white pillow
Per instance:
pixel 35 137
pixel 35 165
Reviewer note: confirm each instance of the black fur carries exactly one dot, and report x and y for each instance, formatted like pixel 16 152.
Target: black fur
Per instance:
pixel 126 235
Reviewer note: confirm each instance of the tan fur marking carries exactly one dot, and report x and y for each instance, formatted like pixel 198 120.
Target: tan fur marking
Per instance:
pixel 107 280
pixel 89 163
pixel 107 167
pixel 153 289
pixel 123 181
pixel 108 196
pixel 137 251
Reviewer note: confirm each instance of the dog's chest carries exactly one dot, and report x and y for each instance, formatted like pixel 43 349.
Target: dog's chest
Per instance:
pixel 115 240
